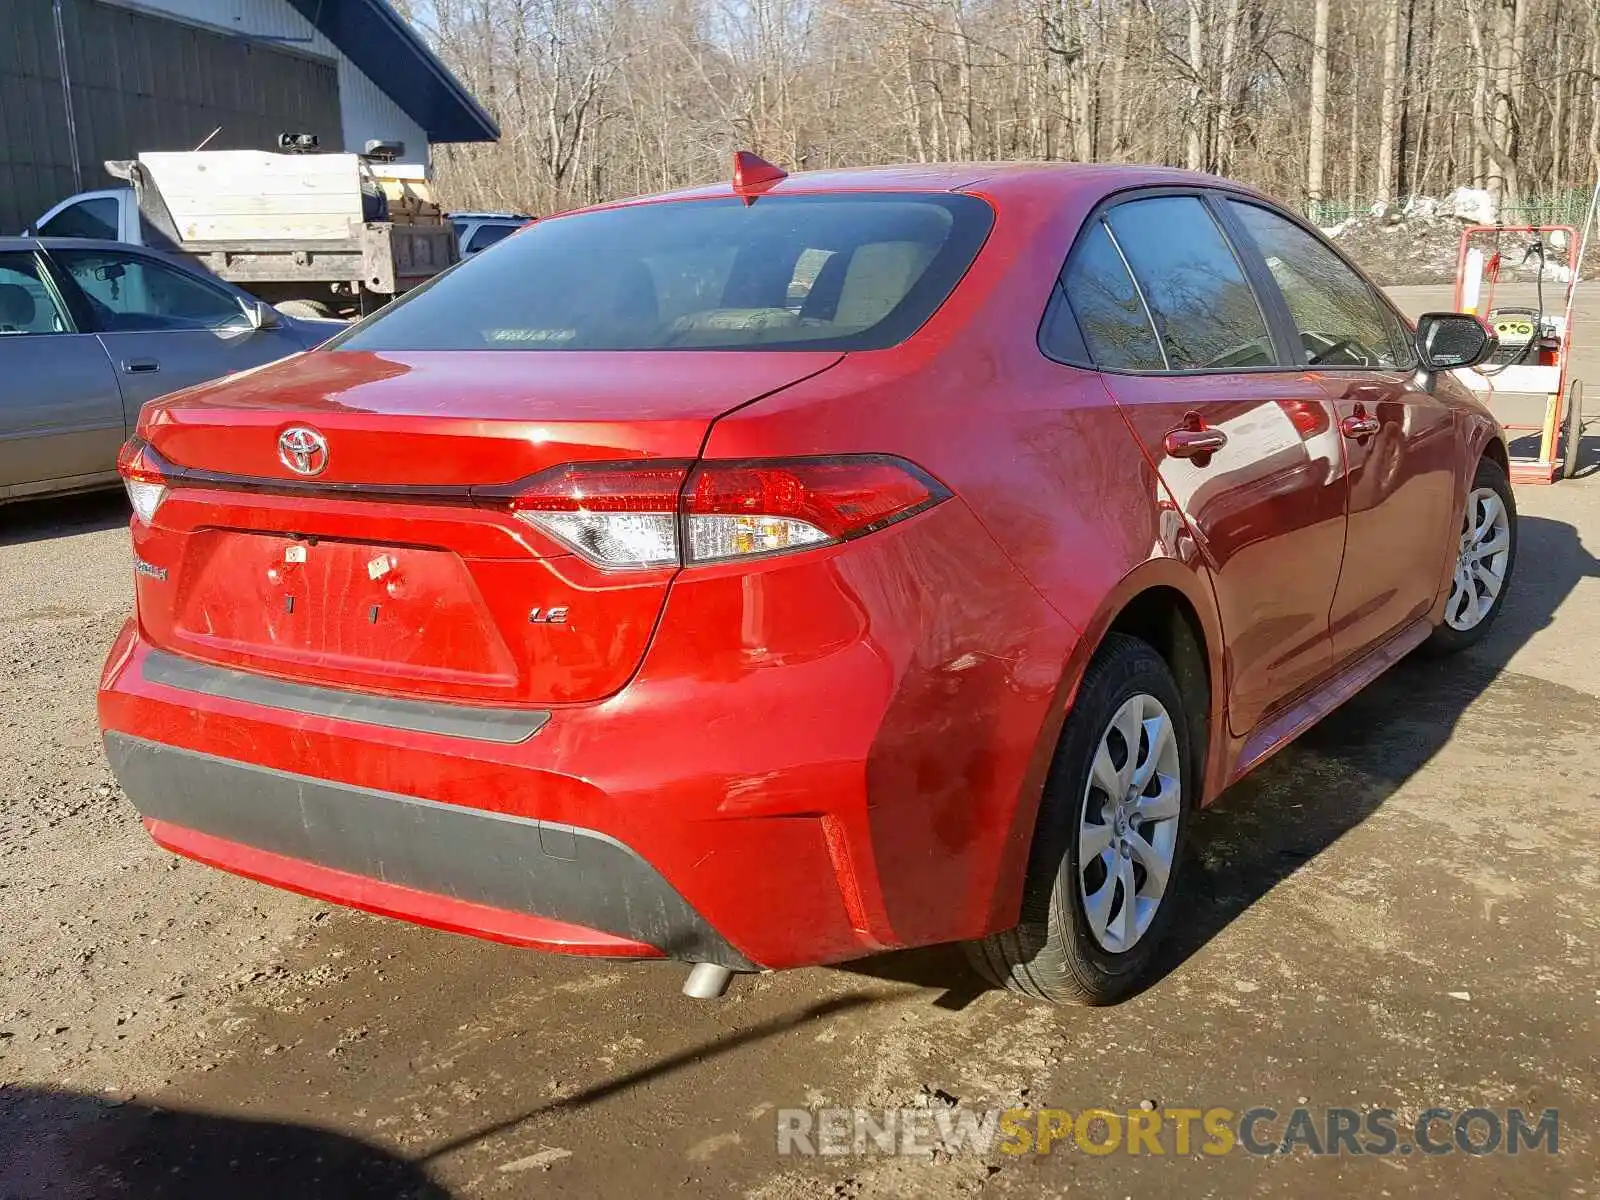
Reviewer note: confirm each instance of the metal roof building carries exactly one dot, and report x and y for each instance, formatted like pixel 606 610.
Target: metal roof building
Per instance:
pixel 82 81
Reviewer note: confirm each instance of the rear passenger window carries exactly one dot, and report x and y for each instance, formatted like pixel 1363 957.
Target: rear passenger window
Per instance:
pixel 95 218
pixel 488 235
pixel 26 305
pixel 1115 327
pixel 1203 307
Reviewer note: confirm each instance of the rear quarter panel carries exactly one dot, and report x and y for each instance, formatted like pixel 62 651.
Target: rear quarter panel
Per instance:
pixel 1066 508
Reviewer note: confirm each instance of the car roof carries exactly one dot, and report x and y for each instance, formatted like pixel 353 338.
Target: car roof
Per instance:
pixel 66 243
pixel 991 178
pixel 24 245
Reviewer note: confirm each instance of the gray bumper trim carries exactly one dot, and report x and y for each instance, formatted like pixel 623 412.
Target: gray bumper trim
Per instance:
pixel 506 726
pixel 514 863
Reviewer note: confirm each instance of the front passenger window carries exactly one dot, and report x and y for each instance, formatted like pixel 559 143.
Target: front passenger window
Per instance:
pixel 130 293
pixel 1341 322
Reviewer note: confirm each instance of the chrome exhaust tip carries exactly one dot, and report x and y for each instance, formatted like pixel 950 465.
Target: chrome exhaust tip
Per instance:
pixel 707 981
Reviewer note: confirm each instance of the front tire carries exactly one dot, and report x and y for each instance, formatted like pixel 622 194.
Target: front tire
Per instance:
pixel 1109 841
pixel 1486 556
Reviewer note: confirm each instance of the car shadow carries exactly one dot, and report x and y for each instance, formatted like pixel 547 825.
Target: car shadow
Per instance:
pixel 1335 775
pixel 63 1144
pixel 60 516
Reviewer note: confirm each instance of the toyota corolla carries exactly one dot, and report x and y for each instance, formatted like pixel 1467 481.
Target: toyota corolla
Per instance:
pixel 786 570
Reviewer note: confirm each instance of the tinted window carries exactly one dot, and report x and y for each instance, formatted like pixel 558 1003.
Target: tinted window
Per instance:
pixel 26 305
pixel 846 272
pixel 86 219
pixel 487 235
pixel 1111 317
pixel 1203 307
pixel 1341 321
pixel 130 293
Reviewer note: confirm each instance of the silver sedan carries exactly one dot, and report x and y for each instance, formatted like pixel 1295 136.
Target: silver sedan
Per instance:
pixel 90 330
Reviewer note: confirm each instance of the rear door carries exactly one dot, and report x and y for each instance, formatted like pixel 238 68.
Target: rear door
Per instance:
pixel 1398 441
pixel 61 417
pixel 1241 439
pixel 163 326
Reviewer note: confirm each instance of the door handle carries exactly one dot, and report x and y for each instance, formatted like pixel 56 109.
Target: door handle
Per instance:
pixel 1358 425
pixel 1194 439
pixel 140 366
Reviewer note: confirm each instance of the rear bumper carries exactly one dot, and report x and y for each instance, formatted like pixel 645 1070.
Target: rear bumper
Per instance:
pixel 516 879
pixel 821 756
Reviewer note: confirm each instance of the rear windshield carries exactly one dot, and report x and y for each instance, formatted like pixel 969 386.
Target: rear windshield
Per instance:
pixel 846 272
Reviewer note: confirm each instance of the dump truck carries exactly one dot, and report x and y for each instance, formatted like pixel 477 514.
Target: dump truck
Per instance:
pixel 315 235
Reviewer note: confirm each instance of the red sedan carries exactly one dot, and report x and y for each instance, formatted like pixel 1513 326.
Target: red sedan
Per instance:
pixel 777 572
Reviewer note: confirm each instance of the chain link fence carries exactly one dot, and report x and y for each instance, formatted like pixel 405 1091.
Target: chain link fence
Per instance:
pixel 1555 208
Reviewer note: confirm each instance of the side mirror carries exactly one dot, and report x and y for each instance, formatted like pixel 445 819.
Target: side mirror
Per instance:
pixel 1448 341
pixel 261 315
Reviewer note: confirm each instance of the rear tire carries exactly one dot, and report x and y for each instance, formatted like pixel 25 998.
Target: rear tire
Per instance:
pixel 1485 562
pixel 315 310
pixel 1078 941
pixel 1572 437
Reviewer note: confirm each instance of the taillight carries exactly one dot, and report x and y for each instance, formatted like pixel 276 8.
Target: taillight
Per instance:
pixel 613 514
pixel 145 484
pixel 665 513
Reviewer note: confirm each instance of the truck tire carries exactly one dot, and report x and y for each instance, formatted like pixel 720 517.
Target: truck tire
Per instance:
pixel 316 310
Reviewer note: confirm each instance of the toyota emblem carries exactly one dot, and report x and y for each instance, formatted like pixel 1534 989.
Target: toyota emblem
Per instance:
pixel 303 450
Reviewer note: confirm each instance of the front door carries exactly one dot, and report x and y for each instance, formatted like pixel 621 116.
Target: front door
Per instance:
pixel 1398 441
pixel 1245 449
pixel 164 327
pixel 61 420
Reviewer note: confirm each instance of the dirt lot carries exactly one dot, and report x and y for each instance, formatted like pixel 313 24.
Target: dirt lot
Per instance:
pixel 1402 910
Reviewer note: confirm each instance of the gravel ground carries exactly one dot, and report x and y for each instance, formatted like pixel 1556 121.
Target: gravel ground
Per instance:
pixel 120 958
pixel 1400 910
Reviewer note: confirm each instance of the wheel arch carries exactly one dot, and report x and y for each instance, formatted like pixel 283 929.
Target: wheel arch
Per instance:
pixel 1168 603
pixel 1166 619
pixel 1495 448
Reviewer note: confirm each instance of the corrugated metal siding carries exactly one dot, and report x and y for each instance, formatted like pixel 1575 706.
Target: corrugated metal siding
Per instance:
pixel 366 111
pixel 142 81
pixel 35 152
pixel 139 82
pixel 370 114
pixel 266 19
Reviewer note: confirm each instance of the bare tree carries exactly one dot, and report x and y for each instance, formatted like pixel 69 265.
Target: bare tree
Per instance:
pixel 1390 100
pixel 1317 120
pixel 1334 100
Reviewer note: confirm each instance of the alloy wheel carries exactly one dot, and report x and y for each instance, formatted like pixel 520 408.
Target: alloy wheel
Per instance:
pixel 1484 554
pixel 1128 827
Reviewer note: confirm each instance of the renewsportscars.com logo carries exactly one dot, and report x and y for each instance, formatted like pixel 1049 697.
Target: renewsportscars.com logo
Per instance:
pixel 1178 1131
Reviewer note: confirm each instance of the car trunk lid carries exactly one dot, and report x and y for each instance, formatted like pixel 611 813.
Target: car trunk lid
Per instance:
pixel 398 566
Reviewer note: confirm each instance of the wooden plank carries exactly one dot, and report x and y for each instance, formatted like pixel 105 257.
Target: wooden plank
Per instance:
pixel 236 194
pixel 266 206
pixel 266 226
